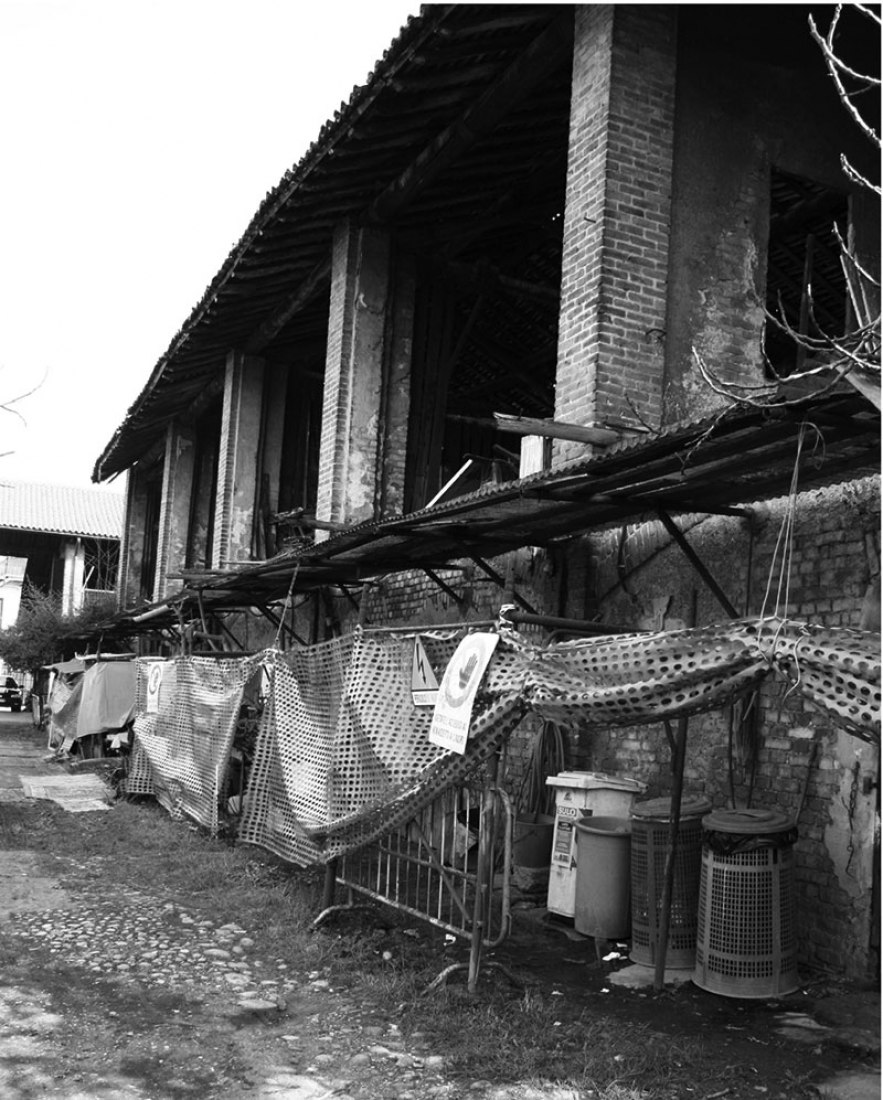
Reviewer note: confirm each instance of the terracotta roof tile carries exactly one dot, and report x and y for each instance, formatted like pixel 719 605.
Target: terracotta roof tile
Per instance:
pixel 29 506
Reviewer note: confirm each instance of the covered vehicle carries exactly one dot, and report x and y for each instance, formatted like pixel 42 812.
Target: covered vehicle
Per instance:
pixel 11 694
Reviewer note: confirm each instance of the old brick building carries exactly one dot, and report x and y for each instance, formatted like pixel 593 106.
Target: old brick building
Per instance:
pixel 546 212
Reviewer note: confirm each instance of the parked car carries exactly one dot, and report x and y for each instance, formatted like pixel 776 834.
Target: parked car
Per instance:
pixel 11 695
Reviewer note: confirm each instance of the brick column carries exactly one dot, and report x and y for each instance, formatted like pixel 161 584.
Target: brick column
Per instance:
pixel 355 400
pixel 174 514
pixel 238 459
pixel 617 213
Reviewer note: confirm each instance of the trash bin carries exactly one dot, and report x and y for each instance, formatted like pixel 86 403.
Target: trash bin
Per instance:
pixel 601 904
pixel 651 830
pixel 577 795
pixel 746 943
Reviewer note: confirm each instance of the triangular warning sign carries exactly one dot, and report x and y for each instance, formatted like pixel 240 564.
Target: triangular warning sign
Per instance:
pixel 424 685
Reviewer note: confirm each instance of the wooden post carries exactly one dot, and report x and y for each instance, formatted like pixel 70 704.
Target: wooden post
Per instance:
pixel 679 755
pixel 484 875
pixel 330 883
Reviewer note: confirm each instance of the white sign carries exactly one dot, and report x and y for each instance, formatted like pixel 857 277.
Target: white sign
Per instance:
pixel 424 685
pixel 160 684
pixel 453 710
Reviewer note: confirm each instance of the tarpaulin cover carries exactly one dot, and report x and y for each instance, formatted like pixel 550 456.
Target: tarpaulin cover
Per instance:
pixel 64 708
pixel 108 697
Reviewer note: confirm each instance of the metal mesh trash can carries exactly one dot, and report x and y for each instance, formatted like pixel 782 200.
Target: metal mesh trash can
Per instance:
pixel 746 944
pixel 649 852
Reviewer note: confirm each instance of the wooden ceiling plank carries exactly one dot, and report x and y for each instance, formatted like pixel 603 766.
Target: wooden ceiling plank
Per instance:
pixel 544 53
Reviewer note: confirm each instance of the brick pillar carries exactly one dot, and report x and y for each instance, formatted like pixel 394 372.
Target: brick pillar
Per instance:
pixel 617 214
pixel 174 514
pixel 397 407
pixel 355 400
pixel 238 459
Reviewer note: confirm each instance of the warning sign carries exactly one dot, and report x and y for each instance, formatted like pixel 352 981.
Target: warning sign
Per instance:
pixel 424 685
pixel 465 671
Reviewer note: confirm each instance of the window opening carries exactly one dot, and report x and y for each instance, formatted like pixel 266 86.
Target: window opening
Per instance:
pixel 806 287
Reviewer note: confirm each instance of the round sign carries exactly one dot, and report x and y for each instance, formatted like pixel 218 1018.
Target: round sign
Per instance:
pixel 458 683
pixel 154 679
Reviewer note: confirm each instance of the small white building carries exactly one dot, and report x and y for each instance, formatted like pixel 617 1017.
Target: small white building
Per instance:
pixel 58 539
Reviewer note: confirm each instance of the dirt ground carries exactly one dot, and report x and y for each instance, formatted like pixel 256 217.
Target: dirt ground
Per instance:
pixel 114 991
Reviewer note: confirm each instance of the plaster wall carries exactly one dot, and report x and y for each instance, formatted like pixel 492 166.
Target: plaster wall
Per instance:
pixel 12 575
pixel 132 544
pixel 174 518
pixel 350 448
pixel 735 121
pixel 238 459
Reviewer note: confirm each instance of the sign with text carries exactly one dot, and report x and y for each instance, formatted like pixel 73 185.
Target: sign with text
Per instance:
pixel 453 710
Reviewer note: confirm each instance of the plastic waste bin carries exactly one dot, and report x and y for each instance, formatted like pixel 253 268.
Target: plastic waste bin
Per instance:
pixel 602 877
pixel 746 942
pixel 651 832
pixel 578 795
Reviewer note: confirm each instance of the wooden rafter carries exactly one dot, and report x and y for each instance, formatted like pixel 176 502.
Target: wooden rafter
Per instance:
pixel 541 57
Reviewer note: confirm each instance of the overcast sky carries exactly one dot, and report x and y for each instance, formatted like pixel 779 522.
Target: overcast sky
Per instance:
pixel 138 139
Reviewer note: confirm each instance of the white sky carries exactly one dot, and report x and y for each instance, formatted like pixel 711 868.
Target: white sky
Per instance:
pixel 138 139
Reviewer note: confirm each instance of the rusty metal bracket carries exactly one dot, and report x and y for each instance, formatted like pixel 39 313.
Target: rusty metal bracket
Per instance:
pixel 458 600
pixel 500 581
pixel 669 524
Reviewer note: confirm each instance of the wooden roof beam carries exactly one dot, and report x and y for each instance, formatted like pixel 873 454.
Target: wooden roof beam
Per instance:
pixel 541 57
pixel 273 324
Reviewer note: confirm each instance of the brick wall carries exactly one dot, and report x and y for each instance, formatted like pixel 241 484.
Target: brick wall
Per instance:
pixel 836 556
pixel 616 223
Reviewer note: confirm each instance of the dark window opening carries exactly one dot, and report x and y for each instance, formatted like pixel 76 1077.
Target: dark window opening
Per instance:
pixel 152 498
pixel 485 342
pixel 299 465
pixel 101 564
pixel 200 535
pixel 806 287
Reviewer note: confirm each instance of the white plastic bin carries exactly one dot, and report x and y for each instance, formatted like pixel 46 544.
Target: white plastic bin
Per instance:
pixel 578 795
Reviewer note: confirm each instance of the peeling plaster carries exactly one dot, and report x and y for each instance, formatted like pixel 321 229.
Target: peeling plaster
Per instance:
pixel 850 832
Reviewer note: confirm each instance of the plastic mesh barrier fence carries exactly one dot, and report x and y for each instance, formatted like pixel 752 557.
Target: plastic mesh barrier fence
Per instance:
pixel 634 679
pixel 343 755
pixel 187 740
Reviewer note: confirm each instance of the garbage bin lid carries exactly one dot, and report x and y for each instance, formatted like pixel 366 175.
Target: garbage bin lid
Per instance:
pixel 659 809
pixel 747 821
pixel 594 781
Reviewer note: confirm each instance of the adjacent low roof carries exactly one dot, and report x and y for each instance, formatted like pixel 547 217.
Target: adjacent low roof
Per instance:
pixel 61 509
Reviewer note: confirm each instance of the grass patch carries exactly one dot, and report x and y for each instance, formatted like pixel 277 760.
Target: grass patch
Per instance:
pixel 504 1035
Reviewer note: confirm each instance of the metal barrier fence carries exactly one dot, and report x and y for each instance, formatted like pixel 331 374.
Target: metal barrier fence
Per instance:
pixel 449 865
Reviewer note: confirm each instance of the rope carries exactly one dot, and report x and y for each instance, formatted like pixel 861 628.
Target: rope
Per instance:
pixel 783 558
pixel 286 606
